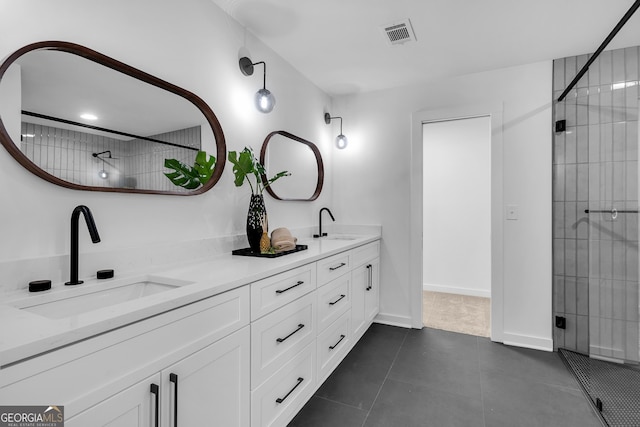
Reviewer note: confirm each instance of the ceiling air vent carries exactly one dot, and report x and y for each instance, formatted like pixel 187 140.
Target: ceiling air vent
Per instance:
pixel 399 32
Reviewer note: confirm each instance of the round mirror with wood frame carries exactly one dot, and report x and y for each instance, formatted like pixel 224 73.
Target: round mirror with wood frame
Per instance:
pixel 120 80
pixel 282 151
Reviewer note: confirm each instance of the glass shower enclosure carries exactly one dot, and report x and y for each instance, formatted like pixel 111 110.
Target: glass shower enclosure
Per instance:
pixel 596 230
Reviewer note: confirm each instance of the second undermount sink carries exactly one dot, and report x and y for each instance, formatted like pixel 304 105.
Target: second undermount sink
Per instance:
pixel 69 303
pixel 339 237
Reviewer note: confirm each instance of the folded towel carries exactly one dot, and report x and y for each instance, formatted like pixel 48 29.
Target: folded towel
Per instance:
pixel 282 240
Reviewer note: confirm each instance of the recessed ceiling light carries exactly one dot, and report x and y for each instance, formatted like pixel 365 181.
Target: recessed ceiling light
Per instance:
pixel 88 116
pixel 28 135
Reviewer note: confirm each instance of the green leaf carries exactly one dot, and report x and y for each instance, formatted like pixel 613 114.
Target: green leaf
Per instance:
pixel 182 175
pixel 204 166
pixel 278 176
pixel 243 165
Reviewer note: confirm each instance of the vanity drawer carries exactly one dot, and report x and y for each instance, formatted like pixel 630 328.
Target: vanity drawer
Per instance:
pixel 279 398
pixel 274 292
pixel 333 345
pixel 365 253
pixel 333 267
pixel 333 300
pixel 276 337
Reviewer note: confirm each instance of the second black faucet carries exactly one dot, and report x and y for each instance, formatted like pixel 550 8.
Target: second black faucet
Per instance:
pixel 320 233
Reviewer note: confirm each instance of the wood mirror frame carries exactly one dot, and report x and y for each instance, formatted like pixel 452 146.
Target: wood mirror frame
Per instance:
pixel 135 73
pixel 316 153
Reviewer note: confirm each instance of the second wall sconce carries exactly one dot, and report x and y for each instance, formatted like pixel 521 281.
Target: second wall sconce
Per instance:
pixel 265 101
pixel 341 140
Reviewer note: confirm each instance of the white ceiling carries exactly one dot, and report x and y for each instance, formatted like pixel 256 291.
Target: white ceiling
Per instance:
pixel 339 44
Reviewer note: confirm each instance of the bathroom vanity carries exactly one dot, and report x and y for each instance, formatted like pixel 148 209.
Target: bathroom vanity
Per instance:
pixel 230 341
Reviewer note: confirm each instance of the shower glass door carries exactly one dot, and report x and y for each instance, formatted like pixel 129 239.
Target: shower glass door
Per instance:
pixel 613 232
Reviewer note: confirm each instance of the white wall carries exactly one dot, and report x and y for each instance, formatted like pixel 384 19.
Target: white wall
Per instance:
pixel 457 206
pixel 374 177
pixel 192 44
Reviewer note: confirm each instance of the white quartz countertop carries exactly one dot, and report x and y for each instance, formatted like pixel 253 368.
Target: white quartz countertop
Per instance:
pixel 25 334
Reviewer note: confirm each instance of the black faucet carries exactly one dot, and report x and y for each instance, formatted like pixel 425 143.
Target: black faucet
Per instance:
pixel 95 238
pixel 320 233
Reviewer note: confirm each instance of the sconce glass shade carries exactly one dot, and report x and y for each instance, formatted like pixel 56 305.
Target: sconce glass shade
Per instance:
pixel 341 141
pixel 265 101
pixel 103 174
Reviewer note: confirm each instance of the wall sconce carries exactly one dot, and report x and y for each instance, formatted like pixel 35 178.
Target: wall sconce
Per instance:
pixel 341 140
pixel 265 101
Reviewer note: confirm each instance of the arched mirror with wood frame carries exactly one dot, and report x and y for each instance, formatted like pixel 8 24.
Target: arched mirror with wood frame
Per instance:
pixel 282 151
pixel 85 121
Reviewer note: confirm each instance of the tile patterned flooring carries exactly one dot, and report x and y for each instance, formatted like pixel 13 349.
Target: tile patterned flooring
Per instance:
pixel 396 377
pixel 457 313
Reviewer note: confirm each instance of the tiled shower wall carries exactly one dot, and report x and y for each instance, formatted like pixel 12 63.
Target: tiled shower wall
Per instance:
pixel 595 256
pixel 145 161
pixel 67 154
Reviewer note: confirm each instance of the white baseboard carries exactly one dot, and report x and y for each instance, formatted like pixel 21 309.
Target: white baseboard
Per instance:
pixel 456 290
pixel 393 320
pixel 526 341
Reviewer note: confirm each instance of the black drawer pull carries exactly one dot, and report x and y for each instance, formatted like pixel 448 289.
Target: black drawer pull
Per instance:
pixel 282 399
pixel 342 264
pixel 331 347
pixel 280 291
pixel 338 300
pixel 174 379
pixel 300 326
pixel 155 390
pixel 370 271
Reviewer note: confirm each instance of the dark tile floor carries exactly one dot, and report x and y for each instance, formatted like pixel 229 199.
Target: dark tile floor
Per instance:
pixel 398 377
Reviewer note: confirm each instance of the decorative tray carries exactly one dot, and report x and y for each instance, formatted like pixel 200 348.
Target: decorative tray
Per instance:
pixel 248 252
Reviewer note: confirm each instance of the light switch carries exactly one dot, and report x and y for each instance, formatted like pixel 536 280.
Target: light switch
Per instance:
pixel 512 212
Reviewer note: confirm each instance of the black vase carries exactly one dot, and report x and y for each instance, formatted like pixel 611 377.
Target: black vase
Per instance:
pixel 256 217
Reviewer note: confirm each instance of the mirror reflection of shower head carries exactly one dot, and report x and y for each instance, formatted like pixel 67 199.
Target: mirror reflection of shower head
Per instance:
pixel 103 172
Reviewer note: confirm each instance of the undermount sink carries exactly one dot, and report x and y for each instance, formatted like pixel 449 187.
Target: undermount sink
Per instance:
pixel 74 301
pixel 339 237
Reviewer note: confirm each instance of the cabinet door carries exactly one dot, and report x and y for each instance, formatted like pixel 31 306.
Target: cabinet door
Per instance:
pixel 359 283
pixel 372 291
pixel 365 296
pixel 210 387
pixel 135 406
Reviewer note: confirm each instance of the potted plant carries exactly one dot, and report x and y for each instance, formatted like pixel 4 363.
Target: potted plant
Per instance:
pixel 247 168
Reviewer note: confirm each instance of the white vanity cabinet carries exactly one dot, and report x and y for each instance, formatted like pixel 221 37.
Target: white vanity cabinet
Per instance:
pixel 107 380
pixel 297 340
pixel 250 356
pixel 365 276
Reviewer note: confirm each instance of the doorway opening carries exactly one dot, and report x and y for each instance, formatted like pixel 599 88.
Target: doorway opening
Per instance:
pixel 493 111
pixel 457 224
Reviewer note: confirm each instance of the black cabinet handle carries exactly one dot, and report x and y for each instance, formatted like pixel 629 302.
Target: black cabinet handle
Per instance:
pixel 282 399
pixel 280 291
pixel 338 300
pixel 331 347
pixel 155 390
pixel 370 271
pixel 300 326
pixel 174 379
pixel 342 264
